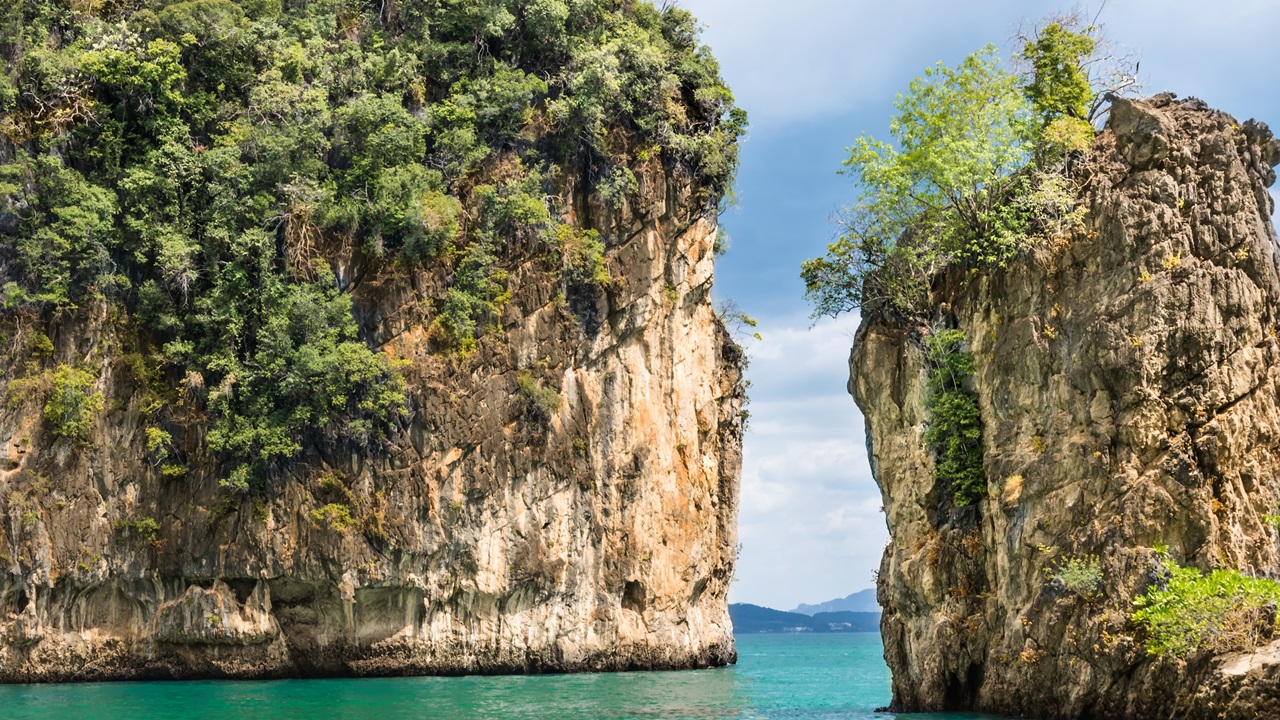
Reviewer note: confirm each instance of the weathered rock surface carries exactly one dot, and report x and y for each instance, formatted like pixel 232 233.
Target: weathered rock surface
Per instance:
pixel 1130 397
pixel 482 541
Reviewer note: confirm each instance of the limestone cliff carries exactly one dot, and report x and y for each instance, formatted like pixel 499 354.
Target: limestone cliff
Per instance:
pixel 489 536
pixel 1130 398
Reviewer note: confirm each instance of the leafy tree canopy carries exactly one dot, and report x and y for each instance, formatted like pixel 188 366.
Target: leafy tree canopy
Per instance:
pixel 953 184
pixel 190 161
pixel 937 191
pixel 1059 85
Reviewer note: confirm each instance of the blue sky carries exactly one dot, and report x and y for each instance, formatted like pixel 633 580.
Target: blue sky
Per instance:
pixel 815 74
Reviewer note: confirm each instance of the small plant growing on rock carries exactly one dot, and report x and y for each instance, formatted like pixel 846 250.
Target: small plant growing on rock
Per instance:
pixel 1190 612
pixel 335 516
pixel 1031 656
pixel 260 512
pixel 1012 491
pixel 158 442
pixel 581 257
pixel 226 505
pixel 159 447
pixel 540 403
pixel 39 345
pixel 1081 576
pixel 71 407
pixel 143 528
pixel 955 421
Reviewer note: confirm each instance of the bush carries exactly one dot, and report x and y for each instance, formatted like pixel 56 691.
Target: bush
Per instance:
pixel 1081 576
pixel 540 403
pixel 474 302
pixel 39 345
pixel 310 378
pixel 143 528
pixel 581 258
pixel 335 516
pixel 71 407
pixel 1221 611
pixel 158 443
pixel 955 421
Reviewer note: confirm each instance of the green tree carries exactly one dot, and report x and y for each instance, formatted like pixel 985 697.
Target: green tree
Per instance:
pixel 1070 67
pixel 940 191
pixel 188 161
pixel 1059 85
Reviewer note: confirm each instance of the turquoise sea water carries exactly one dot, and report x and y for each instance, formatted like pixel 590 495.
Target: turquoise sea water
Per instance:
pixel 791 677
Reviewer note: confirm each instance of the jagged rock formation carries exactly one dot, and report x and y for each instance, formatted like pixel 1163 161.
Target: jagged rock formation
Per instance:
pixel 1130 398
pixel 486 539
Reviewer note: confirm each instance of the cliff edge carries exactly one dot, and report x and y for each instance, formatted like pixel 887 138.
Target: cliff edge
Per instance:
pixel 1128 389
pixel 344 340
pixel 482 540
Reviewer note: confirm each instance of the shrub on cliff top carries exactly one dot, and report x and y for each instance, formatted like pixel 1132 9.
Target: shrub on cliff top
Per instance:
pixel 938 191
pixel 955 185
pixel 1216 612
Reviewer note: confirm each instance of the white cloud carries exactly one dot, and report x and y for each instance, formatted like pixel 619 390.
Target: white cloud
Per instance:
pixel 810 524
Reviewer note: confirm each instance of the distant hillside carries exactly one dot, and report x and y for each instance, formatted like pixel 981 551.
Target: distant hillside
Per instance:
pixel 863 601
pixel 755 619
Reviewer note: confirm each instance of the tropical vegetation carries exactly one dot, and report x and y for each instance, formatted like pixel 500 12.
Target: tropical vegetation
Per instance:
pixel 955 420
pixel 977 173
pixel 1188 611
pixel 199 166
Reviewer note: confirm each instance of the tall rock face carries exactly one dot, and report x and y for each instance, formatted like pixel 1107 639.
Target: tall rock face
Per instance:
pixel 1129 391
pixel 501 531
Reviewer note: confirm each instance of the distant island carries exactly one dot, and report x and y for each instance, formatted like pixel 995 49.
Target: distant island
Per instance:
pixel 863 601
pixel 856 613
